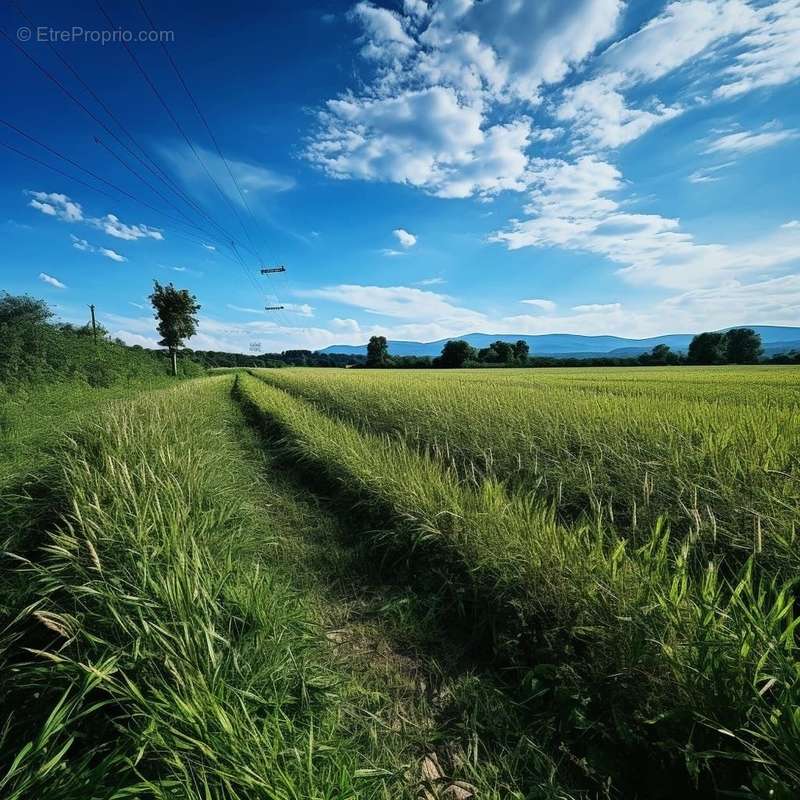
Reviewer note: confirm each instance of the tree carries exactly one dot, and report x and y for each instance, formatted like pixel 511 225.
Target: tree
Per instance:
pixel 455 354
pixel 377 352
pixel 521 351
pixel 176 312
pixel 660 355
pixel 707 348
pixel 742 346
pixel 23 308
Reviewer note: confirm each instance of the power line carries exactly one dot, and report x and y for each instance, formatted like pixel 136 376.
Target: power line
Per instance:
pixel 183 235
pixel 203 118
pixel 96 119
pixel 177 124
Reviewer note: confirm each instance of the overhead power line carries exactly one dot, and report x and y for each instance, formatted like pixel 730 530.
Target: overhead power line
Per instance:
pixel 50 76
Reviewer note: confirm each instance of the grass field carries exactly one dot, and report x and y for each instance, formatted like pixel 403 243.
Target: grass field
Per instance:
pixel 340 584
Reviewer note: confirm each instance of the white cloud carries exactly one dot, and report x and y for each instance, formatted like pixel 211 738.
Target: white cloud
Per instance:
pixel 683 31
pixel 770 53
pixel 750 141
pixel 402 302
pixel 545 305
pixel 597 308
pixel 389 252
pixel 86 247
pixel 431 282
pixel 245 309
pixel 571 208
pixel 56 205
pixel 708 174
pixel 210 247
pixel 600 116
pixel 405 238
pixel 426 138
pixel 425 120
pixel 112 254
pixel 792 223
pixel 49 279
pixel 384 36
pixel 113 226
pixel 253 179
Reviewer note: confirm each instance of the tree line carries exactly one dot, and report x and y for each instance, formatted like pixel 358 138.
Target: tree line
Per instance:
pixel 735 346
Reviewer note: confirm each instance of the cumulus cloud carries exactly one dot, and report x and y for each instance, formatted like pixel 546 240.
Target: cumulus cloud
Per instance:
pixel 600 117
pixel 405 238
pixel 50 280
pixel 56 205
pixel 426 118
pixel 65 209
pixel 113 226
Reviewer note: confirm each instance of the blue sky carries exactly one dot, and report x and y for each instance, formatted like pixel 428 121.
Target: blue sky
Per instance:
pixel 423 169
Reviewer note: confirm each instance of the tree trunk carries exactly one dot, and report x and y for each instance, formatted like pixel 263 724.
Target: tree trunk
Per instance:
pixel 174 355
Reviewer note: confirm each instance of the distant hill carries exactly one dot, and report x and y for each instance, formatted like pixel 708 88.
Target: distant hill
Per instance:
pixel 776 339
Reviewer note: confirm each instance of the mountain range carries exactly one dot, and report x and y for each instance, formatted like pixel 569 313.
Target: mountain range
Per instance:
pixel 775 339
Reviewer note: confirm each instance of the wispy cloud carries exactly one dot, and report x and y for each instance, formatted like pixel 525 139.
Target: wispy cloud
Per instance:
pixel 87 247
pixel 49 279
pixel 749 141
pixel 545 305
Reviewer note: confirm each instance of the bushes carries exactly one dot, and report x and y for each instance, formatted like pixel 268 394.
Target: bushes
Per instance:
pixel 34 350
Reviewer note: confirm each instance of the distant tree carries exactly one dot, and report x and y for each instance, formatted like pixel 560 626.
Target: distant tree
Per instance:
pixel 521 350
pixel 742 346
pixel 707 348
pixel 455 354
pixel 505 352
pixel 377 352
pixel 660 355
pixel 176 312
pixel 15 309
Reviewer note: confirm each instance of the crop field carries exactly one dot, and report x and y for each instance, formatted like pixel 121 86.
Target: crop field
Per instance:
pixel 334 584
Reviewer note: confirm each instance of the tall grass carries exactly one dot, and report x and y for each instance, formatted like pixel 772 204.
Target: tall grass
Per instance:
pixel 152 651
pixel 641 644
pixel 713 451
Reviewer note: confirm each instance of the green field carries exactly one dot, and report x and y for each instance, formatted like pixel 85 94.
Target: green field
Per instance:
pixel 334 584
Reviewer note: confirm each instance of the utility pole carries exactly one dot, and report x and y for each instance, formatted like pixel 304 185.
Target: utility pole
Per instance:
pixel 94 326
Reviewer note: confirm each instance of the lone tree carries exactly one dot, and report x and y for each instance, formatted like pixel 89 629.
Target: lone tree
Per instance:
pixel 377 352
pixel 176 312
pixel 707 348
pixel 742 346
pixel 455 354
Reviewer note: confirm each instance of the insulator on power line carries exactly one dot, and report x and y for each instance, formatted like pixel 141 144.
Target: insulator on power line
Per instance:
pixel 273 308
pixel 270 270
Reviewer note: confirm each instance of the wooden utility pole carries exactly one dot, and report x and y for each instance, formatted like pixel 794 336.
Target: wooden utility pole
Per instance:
pixel 94 326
